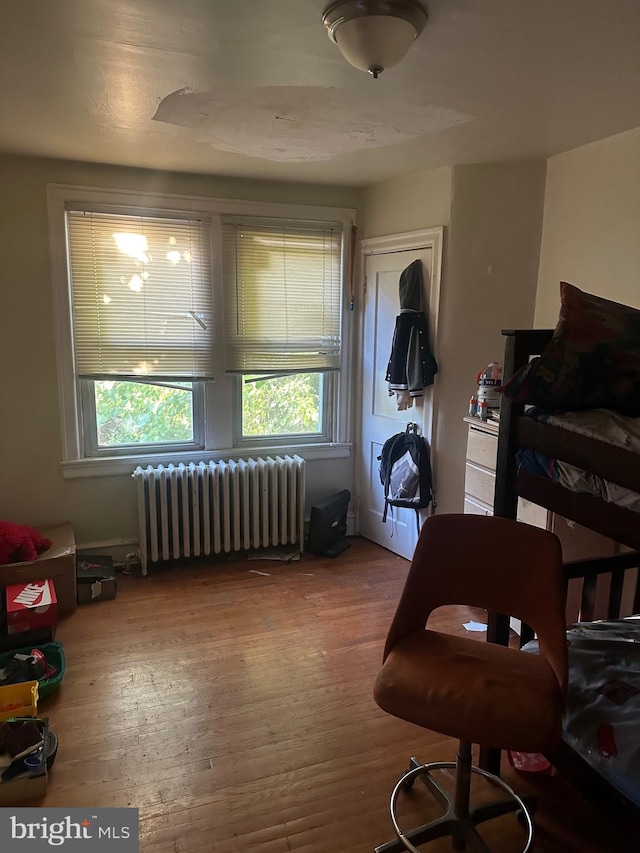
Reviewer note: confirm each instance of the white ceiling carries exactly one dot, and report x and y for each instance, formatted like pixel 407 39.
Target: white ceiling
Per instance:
pixel 255 88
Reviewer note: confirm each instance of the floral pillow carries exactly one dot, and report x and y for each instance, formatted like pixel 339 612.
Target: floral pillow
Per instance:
pixel 592 360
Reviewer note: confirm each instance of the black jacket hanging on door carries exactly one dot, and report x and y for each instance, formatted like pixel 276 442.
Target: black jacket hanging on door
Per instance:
pixel 411 366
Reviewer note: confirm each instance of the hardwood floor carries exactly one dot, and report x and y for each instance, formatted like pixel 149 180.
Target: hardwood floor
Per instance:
pixel 231 703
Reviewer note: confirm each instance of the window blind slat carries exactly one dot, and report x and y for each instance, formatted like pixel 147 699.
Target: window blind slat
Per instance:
pixel 283 296
pixel 142 296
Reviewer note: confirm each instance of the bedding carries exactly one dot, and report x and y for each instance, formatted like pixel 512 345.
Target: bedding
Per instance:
pixel 602 720
pixel 602 424
pixel 591 361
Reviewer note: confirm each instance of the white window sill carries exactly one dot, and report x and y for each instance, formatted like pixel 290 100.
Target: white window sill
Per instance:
pixel 111 466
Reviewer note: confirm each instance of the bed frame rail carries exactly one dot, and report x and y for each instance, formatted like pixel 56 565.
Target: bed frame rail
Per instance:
pixel 520 345
pixel 622 585
pixel 611 463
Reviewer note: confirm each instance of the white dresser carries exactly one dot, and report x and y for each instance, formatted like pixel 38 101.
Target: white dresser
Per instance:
pixel 480 469
pixel 480 476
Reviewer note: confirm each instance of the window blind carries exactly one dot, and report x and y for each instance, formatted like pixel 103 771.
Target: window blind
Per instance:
pixel 142 296
pixel 283 296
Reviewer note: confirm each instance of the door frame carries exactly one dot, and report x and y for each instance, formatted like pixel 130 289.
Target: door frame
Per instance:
pixel 427 238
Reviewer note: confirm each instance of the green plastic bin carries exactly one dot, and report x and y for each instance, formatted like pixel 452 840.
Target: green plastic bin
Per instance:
pixel 54 653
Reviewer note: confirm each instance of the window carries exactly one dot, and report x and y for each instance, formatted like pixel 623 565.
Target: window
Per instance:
pixel 142 310
pixel 195 327
pixel 291 404
pixel 283 292
pixel 126 415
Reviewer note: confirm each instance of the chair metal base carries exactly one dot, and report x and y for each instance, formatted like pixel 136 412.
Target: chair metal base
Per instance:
pixel 459 820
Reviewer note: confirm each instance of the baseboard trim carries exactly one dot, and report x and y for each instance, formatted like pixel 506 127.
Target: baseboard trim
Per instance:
pixel 113 547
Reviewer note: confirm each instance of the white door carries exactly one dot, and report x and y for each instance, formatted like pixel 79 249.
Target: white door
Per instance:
pixel 379 417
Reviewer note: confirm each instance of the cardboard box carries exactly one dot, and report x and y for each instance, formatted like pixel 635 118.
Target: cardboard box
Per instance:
pixel 25 787
pixel 30 606
pixel 33 639
pixel 95 578
pixel 58 563
pixel 98 590
pixel 28 785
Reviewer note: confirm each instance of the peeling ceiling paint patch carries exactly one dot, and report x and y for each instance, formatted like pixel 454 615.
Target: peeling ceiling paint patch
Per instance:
pixel 299 123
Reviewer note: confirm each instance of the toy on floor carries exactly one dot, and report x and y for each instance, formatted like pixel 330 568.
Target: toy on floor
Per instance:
pixel 529 762
pixel 19 543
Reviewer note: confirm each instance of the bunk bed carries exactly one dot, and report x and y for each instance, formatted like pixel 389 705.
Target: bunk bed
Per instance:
pixel 522 435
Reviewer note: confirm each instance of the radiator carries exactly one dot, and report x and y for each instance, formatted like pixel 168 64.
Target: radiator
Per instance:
pixel 218 507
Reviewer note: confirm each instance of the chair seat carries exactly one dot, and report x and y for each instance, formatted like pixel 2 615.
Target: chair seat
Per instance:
pixel 472 690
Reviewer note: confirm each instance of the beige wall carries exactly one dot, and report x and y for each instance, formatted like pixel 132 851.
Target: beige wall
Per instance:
pixel 409 203
pixel 493 215
pixel 591 231
pixel 32 488
pixel 491 273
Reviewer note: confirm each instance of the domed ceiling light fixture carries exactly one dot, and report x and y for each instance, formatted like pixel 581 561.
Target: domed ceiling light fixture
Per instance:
pixel 374 34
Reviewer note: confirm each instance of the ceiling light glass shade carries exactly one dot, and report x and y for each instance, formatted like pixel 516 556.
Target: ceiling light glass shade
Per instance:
pixel 377 42
pixel 374 34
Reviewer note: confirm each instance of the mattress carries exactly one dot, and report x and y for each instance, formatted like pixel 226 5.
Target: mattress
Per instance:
pixel 601 424
pixel 602 720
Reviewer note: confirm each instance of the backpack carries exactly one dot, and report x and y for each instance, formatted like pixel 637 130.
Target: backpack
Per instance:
pixel 405 472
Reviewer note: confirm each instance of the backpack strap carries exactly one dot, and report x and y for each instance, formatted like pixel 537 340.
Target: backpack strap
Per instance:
pixel 413 428
pixel 393 526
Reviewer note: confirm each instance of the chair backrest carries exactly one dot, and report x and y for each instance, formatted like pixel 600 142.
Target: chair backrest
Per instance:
pixel 500 565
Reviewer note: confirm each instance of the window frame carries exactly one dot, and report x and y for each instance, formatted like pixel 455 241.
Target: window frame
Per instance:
pixel 220 426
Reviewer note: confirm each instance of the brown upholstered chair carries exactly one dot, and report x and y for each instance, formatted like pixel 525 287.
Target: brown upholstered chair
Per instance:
pixel 476 691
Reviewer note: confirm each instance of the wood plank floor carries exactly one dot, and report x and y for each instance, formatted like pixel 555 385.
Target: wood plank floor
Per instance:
pixel 234 709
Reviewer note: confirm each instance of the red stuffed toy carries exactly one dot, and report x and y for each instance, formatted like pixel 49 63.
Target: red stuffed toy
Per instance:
pixel 19 543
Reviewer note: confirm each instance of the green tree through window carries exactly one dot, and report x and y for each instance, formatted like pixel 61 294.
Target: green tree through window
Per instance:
pixel 282 405
pixel 142 413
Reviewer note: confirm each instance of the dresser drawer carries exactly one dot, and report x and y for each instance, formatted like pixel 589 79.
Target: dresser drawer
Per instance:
pixel 482 448
pixel 480 483
pixel 531 513
pixel 471 507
